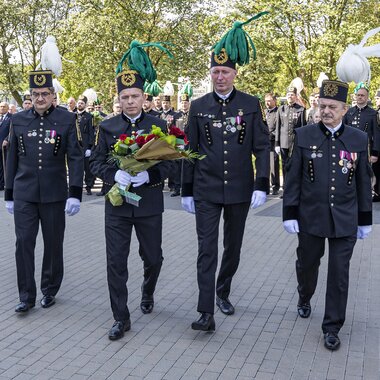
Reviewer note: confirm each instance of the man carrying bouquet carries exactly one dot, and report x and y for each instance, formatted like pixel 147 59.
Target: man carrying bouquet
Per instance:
pixel 146 218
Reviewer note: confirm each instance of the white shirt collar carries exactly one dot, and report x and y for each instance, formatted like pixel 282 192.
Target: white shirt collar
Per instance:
pixel 132 119
pixel 224 97
pixel 333 130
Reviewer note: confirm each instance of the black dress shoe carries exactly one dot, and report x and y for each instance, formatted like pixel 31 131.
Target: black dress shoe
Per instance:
pixel 118 328
pixel 147 303
pixel 376 198
pixel 303 309
pixel 88 192
pixel 275 192
pixel 206 322
pixel 101 194
pixel 332 341
pixel 225 306
pixel 47 301
pixel 23 307
pixel 176 193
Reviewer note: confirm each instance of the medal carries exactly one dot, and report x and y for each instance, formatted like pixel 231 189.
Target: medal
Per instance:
pixel 319 155
pixel 349 165
pixel 313 155
pixel 233 129
pixel 239 127
pixel 53 133
pixel 47 136
pixel 228 128
pixel 340 162
pixel 34 134
pixel 344 170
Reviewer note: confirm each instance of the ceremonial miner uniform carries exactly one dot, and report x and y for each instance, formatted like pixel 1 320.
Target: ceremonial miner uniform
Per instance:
pixel 40 148
pixel 328 192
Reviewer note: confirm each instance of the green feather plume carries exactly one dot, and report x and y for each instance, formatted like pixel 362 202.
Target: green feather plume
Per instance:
pixel 138 59
pixel 153 88
pixel 236 42
pixel 187 89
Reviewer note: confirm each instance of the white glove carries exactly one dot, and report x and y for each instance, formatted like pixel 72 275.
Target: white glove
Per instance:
pixel 188 204
pixel 123 178
pixel 291 226
pixel 277 149
pixel 9 205
pixel 72 206
pixel 258 198
pixel 140 179
pixel 363 231
pixel 87 153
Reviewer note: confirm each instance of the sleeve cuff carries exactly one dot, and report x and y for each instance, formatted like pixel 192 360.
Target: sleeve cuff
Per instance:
pixel 365 218
pixel 290 213
pixel 154 176
pixel 262 184
pixel 187 190
pixel 75 192
pixel 8 195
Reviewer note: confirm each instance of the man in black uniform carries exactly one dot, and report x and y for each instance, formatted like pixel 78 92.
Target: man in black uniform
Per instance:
pixel 5 121
pixel 27 102
pixel 376 165
pixel 119 220
pixel 289 117
pixel 157 104
pixel 271 118
pixel 328 195
pixel 363 117
pixel 148 106
pixel 87 132
pixel 43 140
pixel 227 126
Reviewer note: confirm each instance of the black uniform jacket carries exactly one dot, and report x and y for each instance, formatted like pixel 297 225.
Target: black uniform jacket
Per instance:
pixel 228 133
pixel 87 130
pixel 365 119
pixel 289 117
pixel 271 119
pixel 109 131
pixel 328 183
pixel 40 147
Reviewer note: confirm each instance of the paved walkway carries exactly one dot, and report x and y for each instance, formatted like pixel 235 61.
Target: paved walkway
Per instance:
pixel 264 339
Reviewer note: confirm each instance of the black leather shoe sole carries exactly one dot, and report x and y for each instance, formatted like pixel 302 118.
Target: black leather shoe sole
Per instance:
pixel 47 301
pixel 203 324
pixel 225 306
pixel 146 307
pixel 24 307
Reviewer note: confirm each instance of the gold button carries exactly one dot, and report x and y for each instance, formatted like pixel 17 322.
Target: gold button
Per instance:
pixel 224 123
pixel 333 171
pixel 40 147
pixel 41 129
pixel 40 154
pixel 333 179
pixel 332 195
pixel 225 162
pixel 41 123
pixel 40 135
pixel 332 204
pixel 40 167
pixel 39 160
pixel 333 147
pixel 224 113
pixel 333 155
pixel 334 163
pixel 225 132
pixel 333 139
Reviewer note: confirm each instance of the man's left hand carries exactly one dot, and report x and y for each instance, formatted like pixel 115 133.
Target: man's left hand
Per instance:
pixel 258 198
pixel 72 206
pixel 363 231
pixel 140 179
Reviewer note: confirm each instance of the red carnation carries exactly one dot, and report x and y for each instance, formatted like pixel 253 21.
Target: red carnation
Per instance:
pixel 150 137
pixel 123 137
pixel 140 141
pixel 176 132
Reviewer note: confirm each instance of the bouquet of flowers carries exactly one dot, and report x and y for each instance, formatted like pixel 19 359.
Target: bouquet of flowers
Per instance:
pixel 139 152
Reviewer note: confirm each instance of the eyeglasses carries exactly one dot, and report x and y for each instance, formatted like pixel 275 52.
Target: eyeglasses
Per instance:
pixel 44 95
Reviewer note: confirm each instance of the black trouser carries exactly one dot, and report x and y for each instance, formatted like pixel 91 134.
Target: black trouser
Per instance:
pixel 89 178
pixel 376 172
pixel 174 179
pixel 118 231
pixel 309 253
pixel 207 216
pixel 274 168
pixel 1 171
pixel 27 217
pixel 284 159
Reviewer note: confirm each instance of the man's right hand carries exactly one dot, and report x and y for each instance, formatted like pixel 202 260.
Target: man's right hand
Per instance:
pixel 188 204
pixel 9 205
pixel 123 178
pixel 277 149
pixel 291 226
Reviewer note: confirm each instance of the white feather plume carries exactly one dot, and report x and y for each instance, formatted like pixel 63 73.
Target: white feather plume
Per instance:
pixel 91 95
pixel 321 78
pixel 50 57
pixel 168 88
pixel 57 86
pixel 298 84
pixel 353 65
